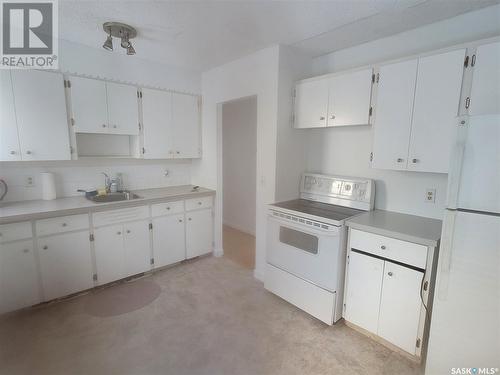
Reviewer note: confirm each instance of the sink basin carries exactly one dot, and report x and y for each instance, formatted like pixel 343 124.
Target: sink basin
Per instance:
pixel 114 197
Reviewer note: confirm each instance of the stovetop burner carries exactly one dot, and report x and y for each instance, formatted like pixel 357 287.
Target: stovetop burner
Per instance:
pixel 319 209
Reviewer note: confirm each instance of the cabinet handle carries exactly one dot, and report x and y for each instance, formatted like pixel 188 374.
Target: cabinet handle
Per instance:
pixel 103 125
pixel 199 203
pixel 118 233
pixel 189 218
pixel 400 160
pixel 128 231
pixel 332 117
pixel 26 251
pixel 180 220
pixel 321 118
pixel 382 247
pixel 12 152
pixel 414 161
pixel 114 126
pixel 178 152
pixel 45 247
pixel 168 208
pixel 389 273
pixel 64 224
pixel 28 152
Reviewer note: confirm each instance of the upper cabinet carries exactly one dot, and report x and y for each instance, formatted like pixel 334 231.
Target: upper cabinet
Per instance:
pixel 104 107
pixel 416 106
pixel 337 100
pixel 171 125
pixel 485 93
pixel 33 112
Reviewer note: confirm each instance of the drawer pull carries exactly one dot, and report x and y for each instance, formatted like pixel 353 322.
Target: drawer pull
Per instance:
pixel 199 203
pixel 45 247
pixel 180 220
pixel 118 233
pixel 26 251
pixel 389 273
pixel 64 224
pixel 189 218
pixel 128 231
pixel 168 208
pixel 383 247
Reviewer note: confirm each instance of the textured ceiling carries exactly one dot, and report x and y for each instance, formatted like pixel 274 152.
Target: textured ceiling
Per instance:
pixel 203 34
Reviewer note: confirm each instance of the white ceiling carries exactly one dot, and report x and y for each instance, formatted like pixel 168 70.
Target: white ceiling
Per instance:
pixel 203 34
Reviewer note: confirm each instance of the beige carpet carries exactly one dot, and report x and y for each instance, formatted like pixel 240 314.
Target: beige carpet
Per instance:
pixel 211 318
pixel 239 247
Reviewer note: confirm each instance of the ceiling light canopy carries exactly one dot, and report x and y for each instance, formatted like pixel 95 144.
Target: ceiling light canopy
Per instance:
pixel 122 31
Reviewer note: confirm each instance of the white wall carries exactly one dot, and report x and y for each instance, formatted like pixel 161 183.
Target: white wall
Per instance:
pixel 256 74
pixel 98 63
pixel 239 159
pixel 346 151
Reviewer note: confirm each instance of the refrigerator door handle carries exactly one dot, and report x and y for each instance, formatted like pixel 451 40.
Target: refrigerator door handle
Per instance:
pixel 446 248
pixel 456 160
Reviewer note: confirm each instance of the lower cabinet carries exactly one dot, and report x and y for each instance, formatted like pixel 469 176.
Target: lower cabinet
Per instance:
pixel 199 232
pixel 18 276
pixel 65 264
pixel 122 250
pixel 169 240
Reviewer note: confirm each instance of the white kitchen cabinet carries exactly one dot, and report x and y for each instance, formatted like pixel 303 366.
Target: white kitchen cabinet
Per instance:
pixel 89 105
pixel 42 123
pixel 437 97
pixel 400 306
pixel 65 264
pixel 109 253
pixel 122 250
pixel 157 124
pixel 393 112
pixel 186 126
pixel 311 103
pixel 199 232
pixel 364 287
pixel 123 107
pixel 485 93
pixel 10 149
pixel 349 98
pixel 137 247
pixel 169 245
pixel 415 112
pixel 18 276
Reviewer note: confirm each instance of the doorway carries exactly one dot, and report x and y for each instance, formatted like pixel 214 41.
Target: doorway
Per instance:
pixel 239 163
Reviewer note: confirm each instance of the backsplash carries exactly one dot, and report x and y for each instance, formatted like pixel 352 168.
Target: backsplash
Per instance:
pixel 74 175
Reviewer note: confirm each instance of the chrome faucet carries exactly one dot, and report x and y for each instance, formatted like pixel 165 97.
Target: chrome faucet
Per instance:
pixel 107 182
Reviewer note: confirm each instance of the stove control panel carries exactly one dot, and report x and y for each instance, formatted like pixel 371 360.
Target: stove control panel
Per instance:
pixel 345 191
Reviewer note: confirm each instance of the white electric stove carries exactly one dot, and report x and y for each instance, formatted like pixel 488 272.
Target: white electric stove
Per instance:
pixel 306 242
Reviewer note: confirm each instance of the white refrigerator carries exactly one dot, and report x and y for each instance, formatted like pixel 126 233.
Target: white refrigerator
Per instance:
pixel 465 323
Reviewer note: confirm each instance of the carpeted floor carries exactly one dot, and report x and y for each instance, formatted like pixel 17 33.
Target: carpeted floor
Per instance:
pixel 211 317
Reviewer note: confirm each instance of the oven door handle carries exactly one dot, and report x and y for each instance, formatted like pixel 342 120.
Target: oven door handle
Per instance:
pixel 307 228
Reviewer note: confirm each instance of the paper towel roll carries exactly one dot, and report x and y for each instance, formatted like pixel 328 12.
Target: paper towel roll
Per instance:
pixel 48 186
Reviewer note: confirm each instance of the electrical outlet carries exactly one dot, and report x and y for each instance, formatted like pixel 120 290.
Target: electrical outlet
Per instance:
pixel 29 181
pixel 430 195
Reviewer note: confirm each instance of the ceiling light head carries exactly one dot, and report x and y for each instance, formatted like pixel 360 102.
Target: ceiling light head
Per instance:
pixel 121 31
pixel 108 44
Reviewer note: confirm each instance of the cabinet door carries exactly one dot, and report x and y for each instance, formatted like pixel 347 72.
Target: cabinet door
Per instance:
pixel 109 254
pixel 65 264
pixel 311 104
pixel 199 233
pixel 169 240
pixel 400 306
pixel 9 141
pixel 186 126
pixel 18 276
pixel 349 98
pixel 364 285
pixel 88 101
pixel 123 111
pixel 393 113
pixel 137 247
pixel 157 123
pixel 485 95
pixel 41 115
pixel 437 98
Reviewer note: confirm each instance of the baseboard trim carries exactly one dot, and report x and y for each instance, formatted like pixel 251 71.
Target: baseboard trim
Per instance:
pixel 241 229
pixel 258 274
pixel 218 252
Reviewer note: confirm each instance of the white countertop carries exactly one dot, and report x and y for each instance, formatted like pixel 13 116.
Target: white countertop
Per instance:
pixel 411 228
pixel 36 209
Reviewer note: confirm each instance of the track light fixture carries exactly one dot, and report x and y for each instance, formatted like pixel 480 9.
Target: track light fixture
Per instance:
pixel 123 32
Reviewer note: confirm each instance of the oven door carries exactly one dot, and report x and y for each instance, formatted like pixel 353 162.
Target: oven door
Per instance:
pixel 306 252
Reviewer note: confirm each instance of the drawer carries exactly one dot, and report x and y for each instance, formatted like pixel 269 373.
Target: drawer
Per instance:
pixel 389 248
pixel 167 208
pixel 15 231
pixel 62 224
pixel 195 203
pixel 120 215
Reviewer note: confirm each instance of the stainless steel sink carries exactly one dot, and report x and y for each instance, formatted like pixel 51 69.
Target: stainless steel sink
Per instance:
pixel 114 197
